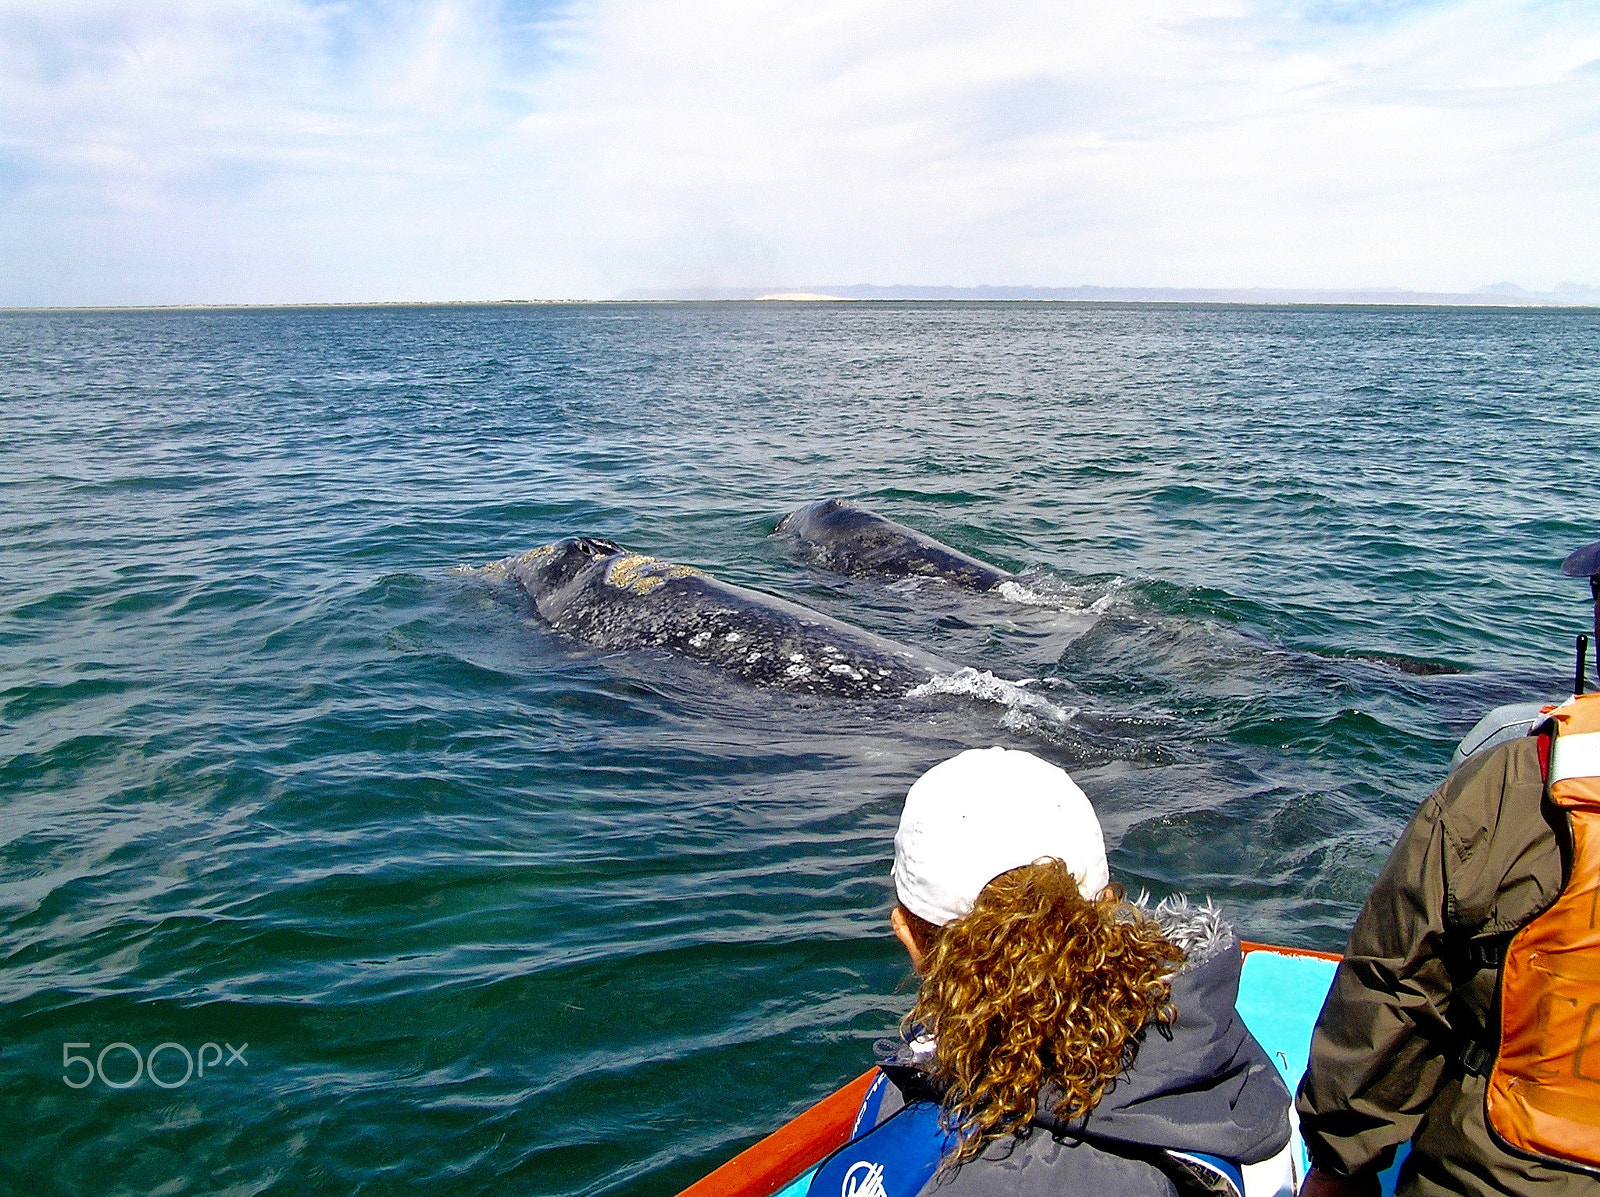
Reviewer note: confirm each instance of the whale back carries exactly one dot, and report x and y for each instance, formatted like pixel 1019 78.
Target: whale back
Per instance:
pixel 839 535
pixel 626 600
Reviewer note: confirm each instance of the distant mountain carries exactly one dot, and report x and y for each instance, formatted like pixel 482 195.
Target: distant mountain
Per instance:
pixel 1577 293
pixel 1495 295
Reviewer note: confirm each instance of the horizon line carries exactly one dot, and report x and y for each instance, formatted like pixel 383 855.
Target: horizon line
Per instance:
pixel 1444 302
pixel 1501 295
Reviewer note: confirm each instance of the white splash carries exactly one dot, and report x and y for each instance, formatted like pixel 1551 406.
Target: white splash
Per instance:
pixel 1023 707
pixel 1057 596
pixel 1016 592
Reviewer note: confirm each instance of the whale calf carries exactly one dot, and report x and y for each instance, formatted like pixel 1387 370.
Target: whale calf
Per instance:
pixel 598 592
pixel 838 535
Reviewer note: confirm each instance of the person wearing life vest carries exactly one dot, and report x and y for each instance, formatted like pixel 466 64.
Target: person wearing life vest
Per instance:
pixel 1063 1041
pixel 1465 1017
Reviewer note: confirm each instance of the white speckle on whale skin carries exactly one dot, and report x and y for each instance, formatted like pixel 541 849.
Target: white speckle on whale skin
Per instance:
pixel 797 657
pixel 700 639
pixel 733 638
pixel 798 671
pixel 847 670
pixel 752 658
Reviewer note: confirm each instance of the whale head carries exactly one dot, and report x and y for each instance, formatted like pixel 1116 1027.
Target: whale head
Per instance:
pixel 814 517
pixel 550 567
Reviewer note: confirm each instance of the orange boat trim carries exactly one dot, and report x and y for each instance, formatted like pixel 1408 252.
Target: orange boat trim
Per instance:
pixel 763 1169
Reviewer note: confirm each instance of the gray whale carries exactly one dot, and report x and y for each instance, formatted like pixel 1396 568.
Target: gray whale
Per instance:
pixel 598 592
pixel 838 535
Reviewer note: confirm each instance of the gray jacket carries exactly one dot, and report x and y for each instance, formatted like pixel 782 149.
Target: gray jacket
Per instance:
pixel 1200 1084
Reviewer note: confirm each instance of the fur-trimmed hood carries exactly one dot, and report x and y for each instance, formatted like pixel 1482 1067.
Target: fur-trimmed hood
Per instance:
pixel 1197 929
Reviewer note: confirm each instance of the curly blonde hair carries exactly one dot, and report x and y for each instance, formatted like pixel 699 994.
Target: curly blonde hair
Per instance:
pixel 1036 983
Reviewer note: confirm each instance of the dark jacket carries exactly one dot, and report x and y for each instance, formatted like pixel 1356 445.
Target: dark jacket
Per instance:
pixel 1201 1084
pixel 1478 860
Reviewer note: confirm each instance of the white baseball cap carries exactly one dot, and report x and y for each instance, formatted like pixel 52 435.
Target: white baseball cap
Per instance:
pixel 985 812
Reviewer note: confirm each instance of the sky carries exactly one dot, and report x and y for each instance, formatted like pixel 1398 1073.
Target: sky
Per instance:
pixel 275 151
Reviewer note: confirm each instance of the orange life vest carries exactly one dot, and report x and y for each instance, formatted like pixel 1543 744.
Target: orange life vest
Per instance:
pixel 1544 1089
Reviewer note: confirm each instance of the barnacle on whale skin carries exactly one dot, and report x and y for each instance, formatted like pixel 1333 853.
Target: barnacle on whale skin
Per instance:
pixel 536 554
pixel 641 574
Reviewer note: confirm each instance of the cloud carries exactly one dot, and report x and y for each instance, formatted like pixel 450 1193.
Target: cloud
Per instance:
pixel 277 150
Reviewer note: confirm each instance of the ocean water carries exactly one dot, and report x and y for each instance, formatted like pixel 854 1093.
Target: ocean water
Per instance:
pixel 468 907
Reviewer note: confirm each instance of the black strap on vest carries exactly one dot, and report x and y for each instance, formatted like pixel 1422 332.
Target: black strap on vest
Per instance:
pixel 1479 954
pixel 1476 1058
pixel 1478 1047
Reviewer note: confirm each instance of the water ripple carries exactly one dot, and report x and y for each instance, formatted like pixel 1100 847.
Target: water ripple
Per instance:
pixel 494 911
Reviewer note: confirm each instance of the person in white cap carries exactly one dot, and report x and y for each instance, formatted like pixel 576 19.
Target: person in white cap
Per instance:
pixel 1063 1039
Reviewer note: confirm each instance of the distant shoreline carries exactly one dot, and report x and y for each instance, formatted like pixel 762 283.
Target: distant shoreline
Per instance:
pixel 1497 295
pixel 1577 299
